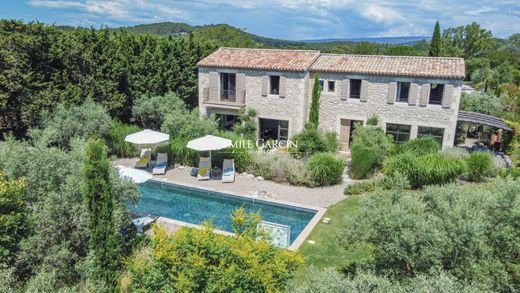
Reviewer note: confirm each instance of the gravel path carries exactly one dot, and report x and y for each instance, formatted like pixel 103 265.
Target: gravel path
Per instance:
pixel 319 196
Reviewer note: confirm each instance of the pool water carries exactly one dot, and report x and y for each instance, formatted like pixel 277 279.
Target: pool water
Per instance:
pixel 193 205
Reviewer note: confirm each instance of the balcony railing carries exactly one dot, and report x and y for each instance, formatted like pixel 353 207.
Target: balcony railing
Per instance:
pixel 224 97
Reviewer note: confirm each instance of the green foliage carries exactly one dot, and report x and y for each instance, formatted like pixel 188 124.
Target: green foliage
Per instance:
pixel 435 45
pixel 116 143
pixel 466 231
pixel 280 168
pixel 480 165
pixel 419 147
pixel 314 112
pixel 247 127
pixel 513 172
pixel 151 111
pixel 13 218
pixel 99 200
pixel 455 152
pixel 312 140
pixel 360 187
pixel 326 169
pixel 65 123
pixel 373 120
pixel 480 103
pixel 179 153
pixel 368 149
pixel 58 236
pixel 193 260
pixel 189 124
pixel 395 181
pixel 43 66
pixel 425 170
pixel 467 41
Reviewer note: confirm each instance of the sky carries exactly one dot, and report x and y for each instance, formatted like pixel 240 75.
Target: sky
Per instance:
pixel 285 19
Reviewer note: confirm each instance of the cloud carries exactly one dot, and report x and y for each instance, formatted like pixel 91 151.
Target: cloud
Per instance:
pixel 380 14
pixel 479 11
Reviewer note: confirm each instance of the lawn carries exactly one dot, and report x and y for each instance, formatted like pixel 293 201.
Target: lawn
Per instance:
pixel 326 252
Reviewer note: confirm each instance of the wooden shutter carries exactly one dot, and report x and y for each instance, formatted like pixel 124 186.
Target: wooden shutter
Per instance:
pixel 213 86
pixel 241 87
pixel 364 91
pixel 345 89
pixel 265 79
pixel 447 96
pixel 282 86
pixel 425 94
pixel 392 91
pixel 412 94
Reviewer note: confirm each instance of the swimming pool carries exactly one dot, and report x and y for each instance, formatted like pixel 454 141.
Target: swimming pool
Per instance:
pixel 194 205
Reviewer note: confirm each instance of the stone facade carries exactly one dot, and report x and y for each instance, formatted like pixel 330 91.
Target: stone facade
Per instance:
pixel 294 106
pixel 290 108
pixel 333 107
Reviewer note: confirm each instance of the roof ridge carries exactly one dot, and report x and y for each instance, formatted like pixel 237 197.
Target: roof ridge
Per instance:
pixel 392 56
pixel 271 49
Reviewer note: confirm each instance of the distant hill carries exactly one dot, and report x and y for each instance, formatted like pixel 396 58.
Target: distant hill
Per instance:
pixel 377 40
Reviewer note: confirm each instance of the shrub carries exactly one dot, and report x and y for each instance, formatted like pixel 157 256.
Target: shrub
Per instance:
pixel 308 142
pixel 189 124
pixel 179 153
pixel 67 122
pixel 150 111
pixel 425 170
pixel 280 168
pixel 331 142
pixel 420 146
pixel 396 181
pixel 326 169
pixel 299 174
pixel 247 126
pixel 456 152
pixel 373 120
pixel 513 173
pixel 363 162
pixel 360 187
pixel 368 149
pixel 116 142
pixel 240 152
pixel 480 165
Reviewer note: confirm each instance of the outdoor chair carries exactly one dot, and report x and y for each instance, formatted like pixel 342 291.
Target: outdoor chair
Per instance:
pixel 144 159
pixel 228 171
pixel 204 169
pixel 161 164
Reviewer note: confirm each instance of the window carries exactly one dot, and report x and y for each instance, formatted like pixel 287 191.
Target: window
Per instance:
pixel 228 87
pixel 321 84
pixel 400 132
pixel 403 88
pixel 274 84
pixel 355 88
pixel 436 91
pixel 332 86
pixel 273 129
pixel 434 132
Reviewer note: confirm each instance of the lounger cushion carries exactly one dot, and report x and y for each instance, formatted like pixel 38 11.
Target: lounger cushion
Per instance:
pixel 228 171
pixel 161 165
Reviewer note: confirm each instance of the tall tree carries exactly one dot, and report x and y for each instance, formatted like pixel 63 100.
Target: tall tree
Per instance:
pixel 98 196
pixel 435 45
pixel 314 113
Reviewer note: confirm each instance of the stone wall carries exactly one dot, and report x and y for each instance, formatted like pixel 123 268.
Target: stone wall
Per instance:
pixel 333 108
pixel 291 107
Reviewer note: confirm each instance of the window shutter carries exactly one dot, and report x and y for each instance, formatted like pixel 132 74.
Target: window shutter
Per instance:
pixel 282 86
pixel 345 89
pixel 213 86
pixel 364 91
pixel 264 85
pixel 241 86
pixel 425 94
pixel 447 96
pixel 392 91
pixel 412 94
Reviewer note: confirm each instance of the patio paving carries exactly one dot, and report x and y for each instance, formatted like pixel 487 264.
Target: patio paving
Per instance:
pixel 245 185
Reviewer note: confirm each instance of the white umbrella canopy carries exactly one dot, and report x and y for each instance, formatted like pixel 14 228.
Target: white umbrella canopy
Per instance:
pixel 137 176
pixel 147 137
pixel 209 143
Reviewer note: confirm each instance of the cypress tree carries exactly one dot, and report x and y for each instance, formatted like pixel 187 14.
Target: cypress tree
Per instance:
pixel 98 197
pixel 435 45
pixel 314 113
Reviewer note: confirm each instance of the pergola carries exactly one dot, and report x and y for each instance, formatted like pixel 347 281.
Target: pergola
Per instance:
pixel 483 119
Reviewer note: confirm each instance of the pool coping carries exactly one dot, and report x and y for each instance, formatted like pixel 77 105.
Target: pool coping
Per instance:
pixel 294 246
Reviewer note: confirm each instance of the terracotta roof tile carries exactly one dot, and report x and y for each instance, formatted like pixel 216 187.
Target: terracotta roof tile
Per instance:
pixel 268 59
pixel 406 66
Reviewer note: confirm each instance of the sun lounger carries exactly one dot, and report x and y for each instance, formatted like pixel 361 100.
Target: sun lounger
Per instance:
pixel 161 164
pixel 144 159
pixel 228 170
pixel 204 169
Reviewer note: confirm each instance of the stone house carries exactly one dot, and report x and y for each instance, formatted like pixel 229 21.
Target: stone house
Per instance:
pixel 411 96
